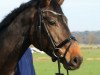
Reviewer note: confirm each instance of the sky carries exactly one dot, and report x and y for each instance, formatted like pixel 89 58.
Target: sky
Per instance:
pixel 83 15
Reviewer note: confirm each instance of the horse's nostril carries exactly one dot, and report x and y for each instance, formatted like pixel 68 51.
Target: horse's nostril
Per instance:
pixel 76 61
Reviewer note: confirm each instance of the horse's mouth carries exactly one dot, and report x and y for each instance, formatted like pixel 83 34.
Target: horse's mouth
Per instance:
pixel 70 67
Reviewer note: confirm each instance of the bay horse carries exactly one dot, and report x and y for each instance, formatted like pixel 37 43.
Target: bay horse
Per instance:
pixel 43 24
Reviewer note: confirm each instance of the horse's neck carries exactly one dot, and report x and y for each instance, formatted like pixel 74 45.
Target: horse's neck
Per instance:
pixel 14 41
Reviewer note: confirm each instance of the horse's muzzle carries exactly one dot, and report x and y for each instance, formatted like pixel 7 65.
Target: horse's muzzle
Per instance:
pixel 73 64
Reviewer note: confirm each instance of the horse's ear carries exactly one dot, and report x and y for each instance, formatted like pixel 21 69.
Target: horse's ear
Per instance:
pixel 48 2
pixel 60 2
pixel 45 3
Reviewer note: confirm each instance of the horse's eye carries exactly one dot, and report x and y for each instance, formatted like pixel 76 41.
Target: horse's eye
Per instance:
pixel 52 22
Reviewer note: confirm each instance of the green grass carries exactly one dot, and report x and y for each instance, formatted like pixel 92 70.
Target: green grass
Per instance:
pixel 91 65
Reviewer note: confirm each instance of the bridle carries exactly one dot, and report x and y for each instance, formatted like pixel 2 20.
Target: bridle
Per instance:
pixel 55 48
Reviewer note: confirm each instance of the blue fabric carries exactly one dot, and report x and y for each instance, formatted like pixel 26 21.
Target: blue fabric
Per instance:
pixel 25 65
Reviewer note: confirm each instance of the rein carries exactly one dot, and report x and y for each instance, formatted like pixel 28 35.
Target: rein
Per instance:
pixel 55 48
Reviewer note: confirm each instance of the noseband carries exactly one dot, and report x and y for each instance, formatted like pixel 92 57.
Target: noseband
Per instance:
pixel 55 48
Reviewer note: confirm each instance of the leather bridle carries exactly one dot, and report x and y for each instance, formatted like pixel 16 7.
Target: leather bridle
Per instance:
pixel 55 48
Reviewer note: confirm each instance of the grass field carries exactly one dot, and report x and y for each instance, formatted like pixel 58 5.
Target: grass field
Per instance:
pixel 91 64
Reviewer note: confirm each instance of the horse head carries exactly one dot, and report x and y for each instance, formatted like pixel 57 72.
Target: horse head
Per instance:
pixel 53 35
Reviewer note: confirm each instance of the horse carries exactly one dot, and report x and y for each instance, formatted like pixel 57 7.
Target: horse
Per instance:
pixel 43 24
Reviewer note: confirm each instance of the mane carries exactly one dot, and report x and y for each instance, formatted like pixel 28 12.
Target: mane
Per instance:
pixel 11 16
